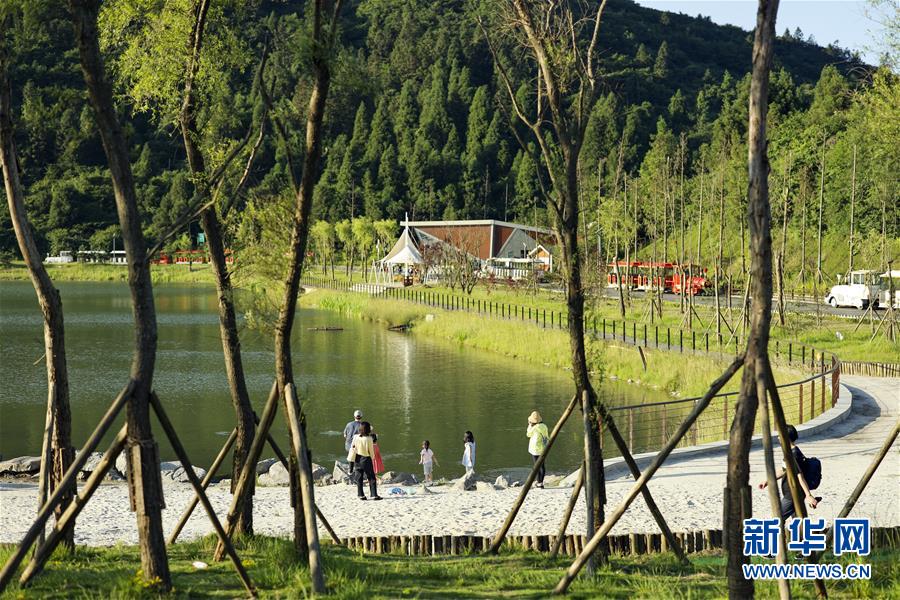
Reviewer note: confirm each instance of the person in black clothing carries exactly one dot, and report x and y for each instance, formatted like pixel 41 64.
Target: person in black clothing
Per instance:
pixel 787 502
pixel 362 451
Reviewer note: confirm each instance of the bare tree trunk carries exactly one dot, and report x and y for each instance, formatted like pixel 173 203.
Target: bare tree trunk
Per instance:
pixel 819 273
pixel 852 207
pixel 215 245
pixel 58 438
pixel 779 266
pixel 759 217
pixel 143 453
pixel 306 537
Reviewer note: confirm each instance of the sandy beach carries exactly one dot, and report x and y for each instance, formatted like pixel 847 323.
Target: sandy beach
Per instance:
pixel 689 492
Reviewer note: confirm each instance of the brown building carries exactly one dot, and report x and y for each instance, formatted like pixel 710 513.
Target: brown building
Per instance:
pixel 488 240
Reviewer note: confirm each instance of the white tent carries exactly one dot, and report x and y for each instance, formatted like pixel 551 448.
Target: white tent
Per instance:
pixel 404 252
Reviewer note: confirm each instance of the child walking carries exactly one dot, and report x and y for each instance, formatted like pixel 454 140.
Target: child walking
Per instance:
pixel 427 460
pixel 468 459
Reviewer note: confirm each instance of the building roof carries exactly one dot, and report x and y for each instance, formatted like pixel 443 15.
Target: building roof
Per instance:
pixel 404 251
pixel 473 222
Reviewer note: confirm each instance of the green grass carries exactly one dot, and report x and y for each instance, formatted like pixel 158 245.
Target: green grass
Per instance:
pixel 199 273
pixel 276 573
pixel 684 375
pixel 799 327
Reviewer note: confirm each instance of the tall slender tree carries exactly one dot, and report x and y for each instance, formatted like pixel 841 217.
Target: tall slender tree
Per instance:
pixel 57 452
pixel 142 449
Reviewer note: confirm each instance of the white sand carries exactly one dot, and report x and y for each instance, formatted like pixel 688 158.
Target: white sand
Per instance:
pixel 689 493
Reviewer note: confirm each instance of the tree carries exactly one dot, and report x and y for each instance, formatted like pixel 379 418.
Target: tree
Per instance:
pixel 57 452
pixel 172 63
pixel 661 64
pixel 565 98
pixel 737 492
pixel 322 235
pixel 364 238
pixel 141 447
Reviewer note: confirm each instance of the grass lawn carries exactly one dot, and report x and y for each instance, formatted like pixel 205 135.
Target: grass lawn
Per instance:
pixel 198 273
pixel 276 573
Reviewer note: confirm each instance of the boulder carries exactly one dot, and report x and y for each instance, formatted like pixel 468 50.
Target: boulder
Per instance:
pixel 398 478
pixel 319 473
pixel 22 465
pixel 553 480
pixel 179 474
pixel 276 475
pixel 264 465
pixel 467 482
pixel 167 466
pixel 484 486
pixel 502 482
pixel 341 472
pixel 91 465
pixel 570 479
pixel 121 464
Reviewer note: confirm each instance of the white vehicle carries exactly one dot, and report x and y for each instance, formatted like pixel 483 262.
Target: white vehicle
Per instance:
pixel 884 298
pixel 858 289
pixel 65 256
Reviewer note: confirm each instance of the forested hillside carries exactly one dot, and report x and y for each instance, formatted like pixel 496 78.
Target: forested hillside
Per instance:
pixel 418 123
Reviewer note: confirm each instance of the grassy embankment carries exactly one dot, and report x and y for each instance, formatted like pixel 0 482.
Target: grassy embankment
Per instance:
pixel 198 273
pixel 276 573
pixel 685 375
pixel 799 327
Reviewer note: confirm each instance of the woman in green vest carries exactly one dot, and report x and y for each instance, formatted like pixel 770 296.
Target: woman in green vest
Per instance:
pixel 537 440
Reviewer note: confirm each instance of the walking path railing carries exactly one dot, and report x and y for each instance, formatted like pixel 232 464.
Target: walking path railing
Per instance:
pixel 646 427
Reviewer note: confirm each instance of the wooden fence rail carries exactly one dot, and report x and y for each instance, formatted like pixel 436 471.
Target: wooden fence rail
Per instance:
pixel 571 545
pixel 871 369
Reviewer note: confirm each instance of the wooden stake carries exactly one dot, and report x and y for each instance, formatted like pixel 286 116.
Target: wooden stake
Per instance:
pixel 249 470
pixel 43 552
pixel 181 453
pixel 298 439
pixel 213 469
pixel 69 479
pixel 498 539
pixel 573 499
pixel 592 545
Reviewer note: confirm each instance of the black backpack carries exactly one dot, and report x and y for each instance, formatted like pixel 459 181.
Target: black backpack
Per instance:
pixel 812 471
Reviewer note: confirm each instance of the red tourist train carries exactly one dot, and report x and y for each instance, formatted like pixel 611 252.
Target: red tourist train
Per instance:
pixel 184 257
pixel 641 275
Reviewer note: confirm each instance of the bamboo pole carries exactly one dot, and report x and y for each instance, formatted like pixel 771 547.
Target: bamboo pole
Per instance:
pixel 645 491
pixel 43 551
pixel 591 546
pixel 213 469
pixel 861 485
pixel 498 539
pixel 784 586
pixel 307 497
pixel 181 453
pixel 573 499
pixel 68 479
pixel 249 470
pixel 46 466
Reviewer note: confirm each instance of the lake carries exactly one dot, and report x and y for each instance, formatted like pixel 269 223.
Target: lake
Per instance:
pixel 410 388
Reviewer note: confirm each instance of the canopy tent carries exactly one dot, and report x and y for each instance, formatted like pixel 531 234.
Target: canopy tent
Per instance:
pixel 404 252
pixel 895 274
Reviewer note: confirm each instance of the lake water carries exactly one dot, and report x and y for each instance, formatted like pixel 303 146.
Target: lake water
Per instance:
pixel 410 388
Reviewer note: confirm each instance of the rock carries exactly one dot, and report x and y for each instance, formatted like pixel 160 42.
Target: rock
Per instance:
pixel 341 472
pixel 570 479
pixel 168 466
pixel 264 465
pixel 515 484
pixel 467 482
pixel 121 464
pixel 502 482
pixel 319 473
pixel 484 486
pixel 276 475
pixel 179 474
pixel 91 465
pixel 552 480
pixel 22 465
pixel 398 478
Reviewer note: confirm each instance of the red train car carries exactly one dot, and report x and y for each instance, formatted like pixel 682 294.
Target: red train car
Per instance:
pixel 640 275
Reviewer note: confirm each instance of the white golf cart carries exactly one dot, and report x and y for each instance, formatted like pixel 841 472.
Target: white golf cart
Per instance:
pixel 884 299
pixel 858 289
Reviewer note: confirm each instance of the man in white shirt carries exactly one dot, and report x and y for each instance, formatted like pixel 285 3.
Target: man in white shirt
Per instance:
pixel 350 432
